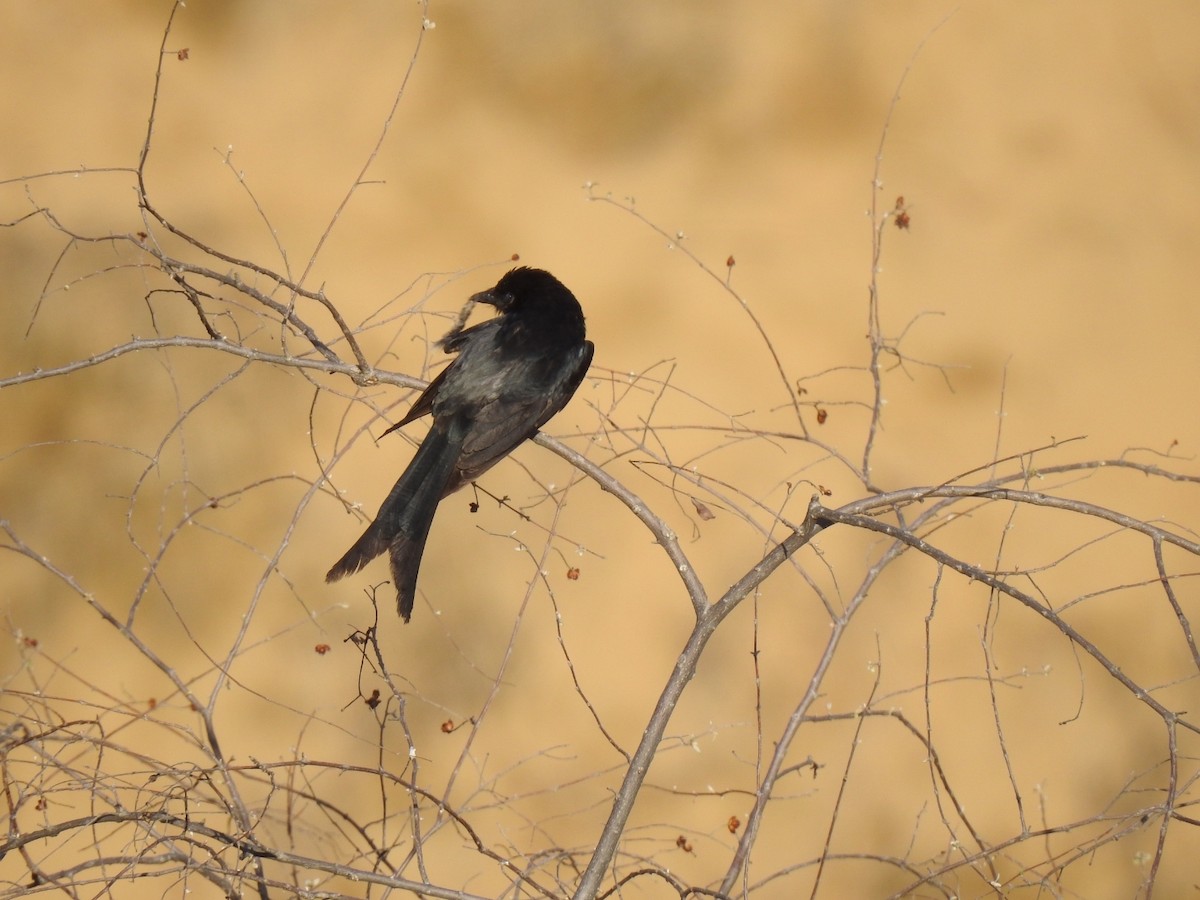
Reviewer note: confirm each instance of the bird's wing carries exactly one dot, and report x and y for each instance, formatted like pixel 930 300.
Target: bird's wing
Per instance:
pixel 501 424
pixel 423 405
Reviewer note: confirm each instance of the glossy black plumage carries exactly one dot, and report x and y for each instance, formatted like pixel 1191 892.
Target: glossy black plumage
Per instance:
pixel 512 373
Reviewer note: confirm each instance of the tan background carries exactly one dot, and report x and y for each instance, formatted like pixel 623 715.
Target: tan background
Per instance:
pixel 1051 160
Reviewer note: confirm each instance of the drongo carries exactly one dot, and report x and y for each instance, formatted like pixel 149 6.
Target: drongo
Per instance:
pixel 512 373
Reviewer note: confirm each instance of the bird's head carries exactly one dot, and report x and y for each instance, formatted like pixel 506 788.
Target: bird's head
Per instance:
pixel 533 298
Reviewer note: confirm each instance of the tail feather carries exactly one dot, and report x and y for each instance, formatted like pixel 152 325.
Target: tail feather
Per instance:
pixel 365 549
pixel 404 518
pixel 405 555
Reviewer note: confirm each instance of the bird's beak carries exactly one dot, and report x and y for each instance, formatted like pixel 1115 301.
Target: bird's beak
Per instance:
pixel 499 301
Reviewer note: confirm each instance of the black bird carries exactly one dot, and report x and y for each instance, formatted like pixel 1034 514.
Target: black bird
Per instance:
pixel 512 373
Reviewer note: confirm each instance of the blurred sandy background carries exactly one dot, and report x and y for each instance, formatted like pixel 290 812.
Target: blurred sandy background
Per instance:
pixel 1050 158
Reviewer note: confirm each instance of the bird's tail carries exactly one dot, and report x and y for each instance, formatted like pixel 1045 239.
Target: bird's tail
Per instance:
pixel 404 518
